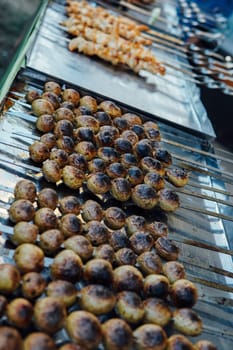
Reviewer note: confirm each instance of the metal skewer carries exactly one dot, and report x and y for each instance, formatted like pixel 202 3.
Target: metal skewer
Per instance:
pixel 207 212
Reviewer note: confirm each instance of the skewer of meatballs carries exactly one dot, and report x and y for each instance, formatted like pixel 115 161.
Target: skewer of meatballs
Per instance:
pixel 101 149
pixel 146 294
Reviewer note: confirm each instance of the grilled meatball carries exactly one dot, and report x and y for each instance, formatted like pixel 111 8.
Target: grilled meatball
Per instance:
pixel 178 342
pixel 92 210
pixel 3 305
pixel 205 345
pixel 129 306
pixel 131 136
pixel 52 86
pixel 127 278
pixel 9 278
pixel 98 183
pixel 19 313
pixel 158 229
pixel 166 248
pixel 144 196
pixel 153 134
pixel 69 204
pixel 120 189
pixel 45 123
pixel 51 171
pixel 108 154
pixel 51 241
pixel 72 177
pixel 86 148
pixel 65 143
pixel 49 139
pixel 132 119
pixel 71 95
pixel 174 271
pixel 64 113
pixel 128 160
pixel 80 245
pixel 24 232
pixel 10 338
pixel 84 133
pixel 141 241
pixel 47 198
pixel 117 335
pixel 157 312
pixel 118 239
pixel 104 251
pixel 21 210
pixel 25 189
pixel 103 118
pixel 156 285
pixel 41 106
pixel 96 232
pixel 52 98
pixel 122 145
pixel 150 125
pixel 38 152
pixel 142 149
pixel 84 328
pixel 45 219
pixel 163 156
pixel 150 337
pixel 154 180
pixel 187 321
pixel 135 175
pixel 49 314
pixel 152 164
pixel 178 177
pixel 66 266
pixel 135 223
pixel 89 102
pixel 96 165
pixel 120 123
pixel 82 110
pixel 78 160
pixel 183 293
pixel 125 256
pixel 60 156
pixel 70 225
pixel 111 108
pixel 72 346
pixel 31 96
pixel 38 341
pixel 33 285
pixel 105 138
pixel 29 258
pixel 87 121
pixel 114 218
pixel 97 299
pixel 168 200
pixel 138 130
pixel 62 290
pixel 149 263
pixel 63 127
pixel 115 170
pixel 98 271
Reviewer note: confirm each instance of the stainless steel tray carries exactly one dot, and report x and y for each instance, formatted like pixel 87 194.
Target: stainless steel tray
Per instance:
pixel 210 267
pixel 174 97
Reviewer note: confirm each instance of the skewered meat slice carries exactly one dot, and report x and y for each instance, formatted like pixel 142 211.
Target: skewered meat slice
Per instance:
pixel 71 95
pixel 33 285
pixel 156 285
pixel 24 232
pixel 62 290
pixel 52 86
pixel 19 313
pixel 187 321
pixel 80 245
pixel 9 278
pixel 29 258
pixel 49 314
pixel 125 256
pixel 157 312
pixel 21 210
pixel 38 341
pixel 38 152
pixel 25 189
pixel 51 170
pixel 45 219
pixel 150 337
pixel 41 106
pixel 97 299
pixel 84 328
pixel 66 266
pixel 47 198
pixel 10 338
pixel 117 335
pixel 129 307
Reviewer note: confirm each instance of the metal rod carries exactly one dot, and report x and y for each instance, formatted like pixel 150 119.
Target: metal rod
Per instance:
pixel 27 105
pixel 204 153
pixel 207 212
pixel 22 115
pixel 22 148
pixel 21 165
pixel 203 196
pixel 212 284
pixel 210 188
